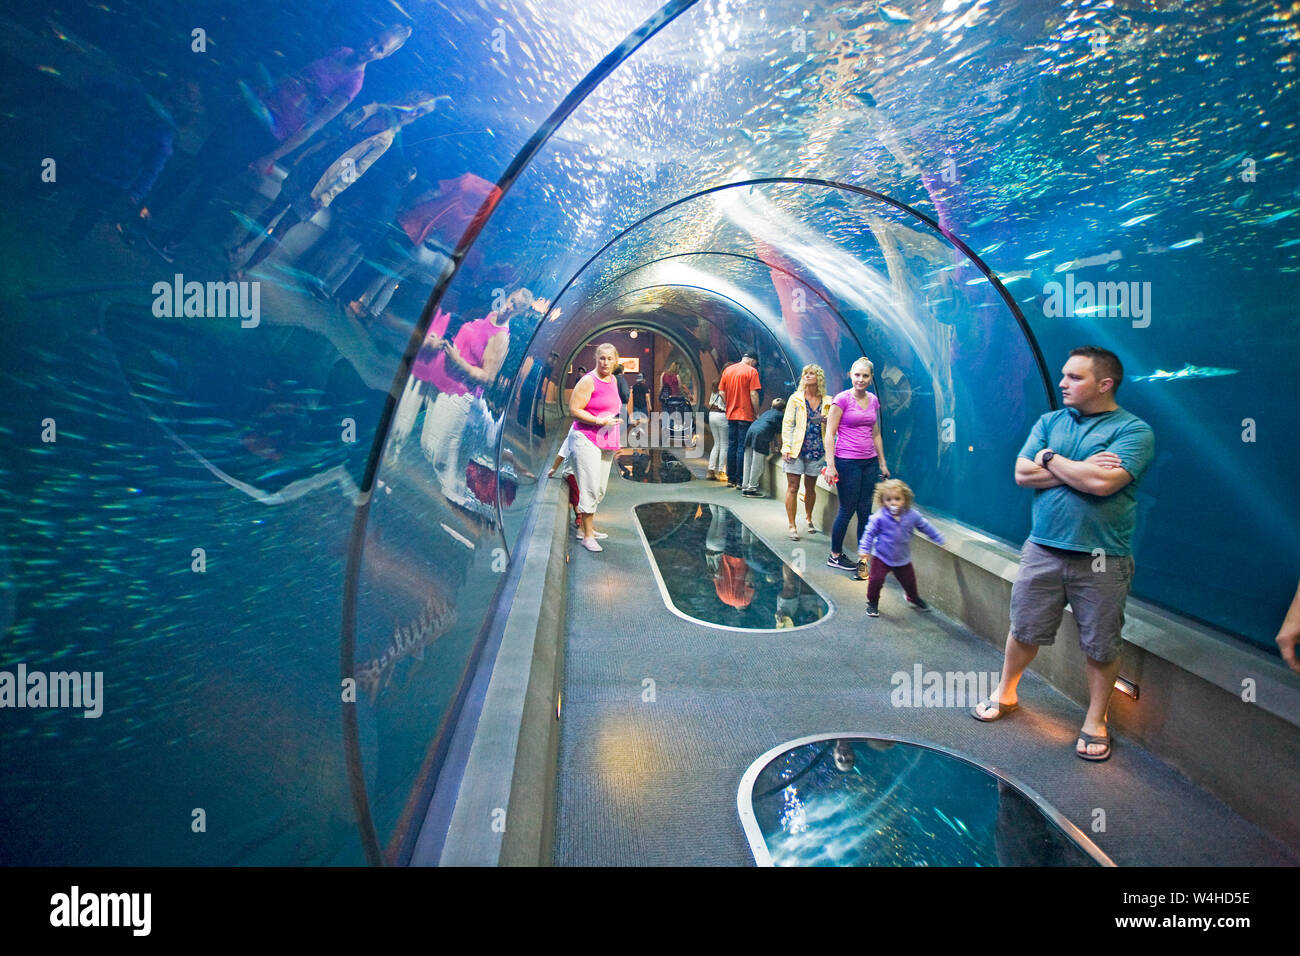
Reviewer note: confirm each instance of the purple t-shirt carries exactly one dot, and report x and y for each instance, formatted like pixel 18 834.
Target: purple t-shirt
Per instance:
pixel 296 99
pixel 853 440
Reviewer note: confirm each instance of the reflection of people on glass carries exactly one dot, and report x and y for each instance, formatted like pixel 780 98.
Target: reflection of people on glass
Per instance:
pixel 797 602
pixel 803 448
pixel 431 228
pixel 810 326
pixel 857 458
pixel 420 387
pixel 118 165
pixel 532 393
pixel 277 121
pixel 459 371
pixel 733 579
pixel 319 178
pixel 594 404
pixel 844 756
pixel 362 217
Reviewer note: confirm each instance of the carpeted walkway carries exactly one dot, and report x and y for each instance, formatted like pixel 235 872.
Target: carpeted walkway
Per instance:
pixel 653 782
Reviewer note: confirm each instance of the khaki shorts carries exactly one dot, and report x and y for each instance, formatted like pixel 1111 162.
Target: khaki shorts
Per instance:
pixel 1050 578
pixel 803 466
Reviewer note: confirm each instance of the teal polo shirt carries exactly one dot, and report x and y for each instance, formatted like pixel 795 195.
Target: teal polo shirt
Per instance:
pixel 1074 520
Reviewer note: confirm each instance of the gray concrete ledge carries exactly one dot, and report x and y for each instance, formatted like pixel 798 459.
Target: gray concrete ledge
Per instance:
pixel 1193 681
pixel 504 812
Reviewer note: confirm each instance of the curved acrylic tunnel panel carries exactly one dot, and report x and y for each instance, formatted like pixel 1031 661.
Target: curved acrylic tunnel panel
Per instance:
pixel 1026 151
pixel 183 529
pixel 833 274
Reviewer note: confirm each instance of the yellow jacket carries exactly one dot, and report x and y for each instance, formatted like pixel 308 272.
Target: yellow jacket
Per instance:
pixel 795 422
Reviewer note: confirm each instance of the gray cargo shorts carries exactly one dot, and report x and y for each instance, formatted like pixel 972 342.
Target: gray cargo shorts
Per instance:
pixel 1050 578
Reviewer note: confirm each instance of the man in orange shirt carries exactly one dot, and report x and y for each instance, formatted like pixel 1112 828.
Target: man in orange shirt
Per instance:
pixel 739 385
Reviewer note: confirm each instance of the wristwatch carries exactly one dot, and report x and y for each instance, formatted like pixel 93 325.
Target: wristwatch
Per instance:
pixel 1048 456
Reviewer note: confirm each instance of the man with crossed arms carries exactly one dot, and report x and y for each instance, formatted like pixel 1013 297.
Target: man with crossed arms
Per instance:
pixel 1084 463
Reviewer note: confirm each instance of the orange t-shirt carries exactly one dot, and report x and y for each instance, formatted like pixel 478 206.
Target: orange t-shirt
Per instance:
pixel 731 584
pixel 736 383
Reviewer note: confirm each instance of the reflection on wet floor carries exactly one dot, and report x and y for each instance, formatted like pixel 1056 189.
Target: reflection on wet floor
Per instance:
pixel 873 802
pixel 718 571
pixel 653 465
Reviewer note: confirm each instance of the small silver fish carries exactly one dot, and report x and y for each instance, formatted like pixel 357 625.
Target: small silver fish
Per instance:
pixel 1134 202
pixel 1187 371
pixel 1276 217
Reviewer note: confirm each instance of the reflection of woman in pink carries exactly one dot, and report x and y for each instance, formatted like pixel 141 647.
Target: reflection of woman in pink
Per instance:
pixel 594 405
pixel 433 224
pixel 419 387
pixel 460 370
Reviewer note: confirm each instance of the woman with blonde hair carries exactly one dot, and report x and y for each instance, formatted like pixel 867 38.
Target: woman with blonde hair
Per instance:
pixel 857 458
pixel 594 438
pixel 803 447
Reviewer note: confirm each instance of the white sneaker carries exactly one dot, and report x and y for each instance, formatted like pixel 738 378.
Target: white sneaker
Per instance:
pixel 591 545
pixel 595 534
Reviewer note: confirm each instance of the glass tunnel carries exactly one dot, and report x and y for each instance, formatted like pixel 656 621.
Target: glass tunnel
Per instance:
pixel 242 484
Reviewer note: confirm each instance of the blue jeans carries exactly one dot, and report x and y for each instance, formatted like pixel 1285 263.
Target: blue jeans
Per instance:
pixel 737 429
pixel 857 484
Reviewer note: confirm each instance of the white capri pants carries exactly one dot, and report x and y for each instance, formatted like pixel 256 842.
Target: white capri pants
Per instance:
pixel 718 457
pixel 591 466
pixel 444 427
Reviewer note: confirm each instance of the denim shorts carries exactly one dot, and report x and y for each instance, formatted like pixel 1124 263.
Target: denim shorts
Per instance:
pixel 802 466
pixel 1095 587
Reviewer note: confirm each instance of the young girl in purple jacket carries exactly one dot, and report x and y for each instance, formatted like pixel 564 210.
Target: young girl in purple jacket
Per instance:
pixel 888 537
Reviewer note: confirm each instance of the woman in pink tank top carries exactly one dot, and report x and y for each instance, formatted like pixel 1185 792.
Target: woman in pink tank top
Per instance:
pixel 595 438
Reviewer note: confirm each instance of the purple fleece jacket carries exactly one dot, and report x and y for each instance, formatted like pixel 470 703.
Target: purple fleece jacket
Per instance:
pixel 892 536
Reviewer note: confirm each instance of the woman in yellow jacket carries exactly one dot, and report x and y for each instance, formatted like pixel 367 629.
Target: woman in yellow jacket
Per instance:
pixel 803 450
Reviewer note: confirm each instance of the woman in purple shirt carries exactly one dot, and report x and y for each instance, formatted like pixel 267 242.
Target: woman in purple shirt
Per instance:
pixel 856 458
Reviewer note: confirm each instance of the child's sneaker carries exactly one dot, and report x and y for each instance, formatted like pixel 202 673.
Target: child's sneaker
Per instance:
pixel 873 609
pixel 918 604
